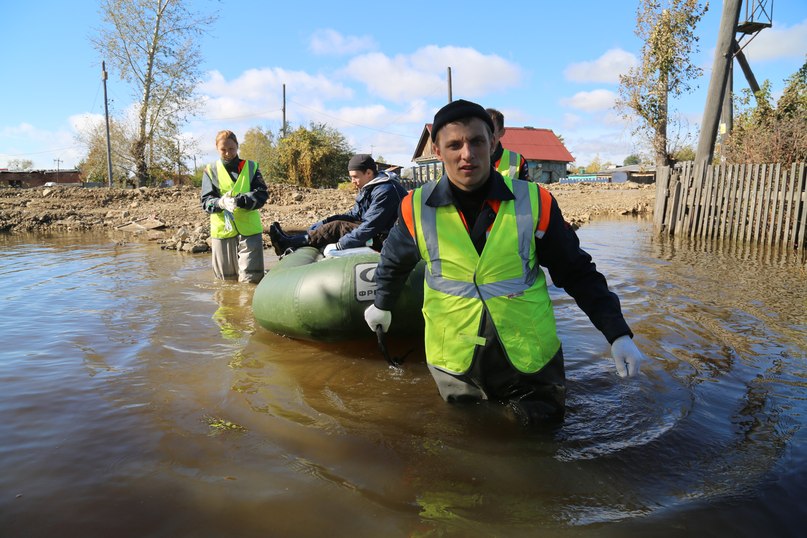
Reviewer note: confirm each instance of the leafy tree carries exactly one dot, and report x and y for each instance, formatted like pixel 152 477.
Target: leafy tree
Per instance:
pixel 685 153
pixel 631 159
pixel 94 165
pixel 667 28
pixel 170 156
pixel 196 178
pixel 22 165
pixel 766 133
pixel 152 45
pixel 595 165
pixel 315 157
pixel 258 145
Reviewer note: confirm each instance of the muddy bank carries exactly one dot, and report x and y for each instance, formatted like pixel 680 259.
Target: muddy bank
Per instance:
pixel 167 214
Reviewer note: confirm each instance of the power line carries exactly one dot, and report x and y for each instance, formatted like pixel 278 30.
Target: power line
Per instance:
pixel 42 152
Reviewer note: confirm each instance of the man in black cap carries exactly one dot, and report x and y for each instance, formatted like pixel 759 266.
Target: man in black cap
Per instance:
pixel 366 224
pixel 489 323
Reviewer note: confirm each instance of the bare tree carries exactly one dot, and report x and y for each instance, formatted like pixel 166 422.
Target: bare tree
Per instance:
pixel 151 44
pixel 22 165
pixel 668 31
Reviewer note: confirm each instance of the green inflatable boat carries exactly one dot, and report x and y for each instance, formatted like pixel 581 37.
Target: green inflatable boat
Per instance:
pixel 310 297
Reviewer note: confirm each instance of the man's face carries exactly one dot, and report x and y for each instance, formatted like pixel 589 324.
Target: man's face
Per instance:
pixel 465 152
pixel 360 179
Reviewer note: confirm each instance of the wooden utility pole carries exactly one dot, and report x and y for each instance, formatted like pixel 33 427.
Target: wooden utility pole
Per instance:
pixel 108 143
pixel 283 128
pixel 724 55
pixel 58 162
pixel 749 75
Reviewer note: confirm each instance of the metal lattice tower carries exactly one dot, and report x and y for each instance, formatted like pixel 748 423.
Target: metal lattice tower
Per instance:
pixel 758 15
pixel 737 28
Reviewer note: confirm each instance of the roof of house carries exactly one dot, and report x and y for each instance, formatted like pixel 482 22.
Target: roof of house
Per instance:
pixel 534 144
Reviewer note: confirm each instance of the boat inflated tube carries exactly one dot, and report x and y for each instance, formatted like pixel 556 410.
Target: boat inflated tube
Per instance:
pixel 310 297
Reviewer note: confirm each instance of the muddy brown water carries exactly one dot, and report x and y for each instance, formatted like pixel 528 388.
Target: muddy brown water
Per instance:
pixel 140 398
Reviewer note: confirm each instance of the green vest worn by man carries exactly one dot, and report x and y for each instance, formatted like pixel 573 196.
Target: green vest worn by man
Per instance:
pixel 247 221
pixel 506 279
pixel 509 164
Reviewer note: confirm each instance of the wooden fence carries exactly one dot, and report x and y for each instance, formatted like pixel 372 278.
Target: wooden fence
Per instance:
pixel 763 203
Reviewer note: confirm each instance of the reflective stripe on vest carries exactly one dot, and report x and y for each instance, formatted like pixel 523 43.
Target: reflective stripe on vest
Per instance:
pixel 506 280
pixel 247 221
pixel 509 164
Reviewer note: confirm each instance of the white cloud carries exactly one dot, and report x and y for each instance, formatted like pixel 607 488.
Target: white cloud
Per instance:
pixel 512 116
pixel 778 42
pixel 83 122
pixel 423 73
pixel 606 68
pixel 571 121
pixel 43 147
pixel 608 146
pixel 614 119
pixel 331 42
pixel 258 93
pixel 592 101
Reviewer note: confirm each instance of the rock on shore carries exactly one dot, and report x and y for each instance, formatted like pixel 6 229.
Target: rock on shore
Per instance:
pixel 174 216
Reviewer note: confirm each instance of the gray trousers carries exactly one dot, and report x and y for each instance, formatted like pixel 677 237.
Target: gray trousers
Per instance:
pixel 239 257
pixel 540 396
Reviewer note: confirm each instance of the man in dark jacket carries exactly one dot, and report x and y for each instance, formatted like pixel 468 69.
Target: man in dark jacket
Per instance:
pixel 366 224
pixel 490 330
pixel 506 162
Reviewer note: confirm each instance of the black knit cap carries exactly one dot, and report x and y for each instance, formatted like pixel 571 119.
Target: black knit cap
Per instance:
pixel 457 110
pixel 361 162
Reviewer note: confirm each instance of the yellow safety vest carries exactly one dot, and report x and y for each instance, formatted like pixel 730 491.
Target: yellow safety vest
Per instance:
pixel 509 164
pixel 247 221
pixel 505 279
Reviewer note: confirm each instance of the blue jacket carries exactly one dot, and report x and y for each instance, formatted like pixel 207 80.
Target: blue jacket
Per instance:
pixel 376 208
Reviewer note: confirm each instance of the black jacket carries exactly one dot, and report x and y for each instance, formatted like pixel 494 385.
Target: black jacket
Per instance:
pixel 570 267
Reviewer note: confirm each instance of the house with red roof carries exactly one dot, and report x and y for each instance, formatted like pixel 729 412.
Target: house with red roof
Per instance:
pixel 545 153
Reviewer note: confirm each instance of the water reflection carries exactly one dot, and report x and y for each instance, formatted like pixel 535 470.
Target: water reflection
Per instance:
pixel 121 357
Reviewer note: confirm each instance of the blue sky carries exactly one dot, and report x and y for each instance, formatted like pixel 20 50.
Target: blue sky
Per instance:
pixel 376 71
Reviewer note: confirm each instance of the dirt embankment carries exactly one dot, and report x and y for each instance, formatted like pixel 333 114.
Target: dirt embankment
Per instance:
pixel 175 213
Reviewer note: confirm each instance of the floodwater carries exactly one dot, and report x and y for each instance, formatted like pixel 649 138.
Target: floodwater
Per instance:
pixel 140 398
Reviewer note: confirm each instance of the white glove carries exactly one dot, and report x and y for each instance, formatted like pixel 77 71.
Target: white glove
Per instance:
pixel 227 203
pixel 375 317
pixel 627 356
pixel 330 249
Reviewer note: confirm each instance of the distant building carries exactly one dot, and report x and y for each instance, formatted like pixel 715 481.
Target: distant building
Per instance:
pixel 38 178
pixel 546 155
pixel 637 173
